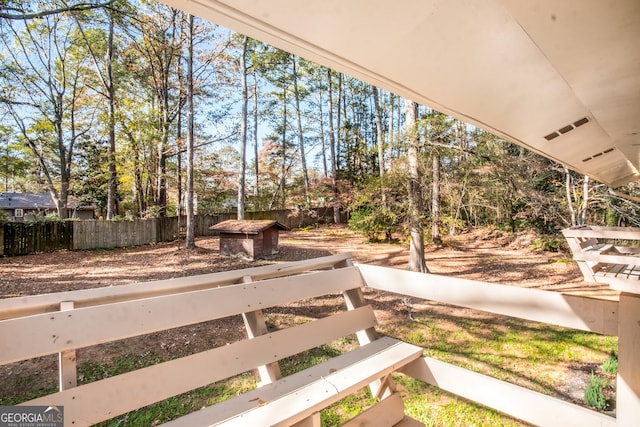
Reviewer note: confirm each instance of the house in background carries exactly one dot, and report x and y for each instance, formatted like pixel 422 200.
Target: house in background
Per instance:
pixel 25 206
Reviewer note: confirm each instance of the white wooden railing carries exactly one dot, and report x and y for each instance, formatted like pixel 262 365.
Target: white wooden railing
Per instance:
pixel 621 318
pixel 617 318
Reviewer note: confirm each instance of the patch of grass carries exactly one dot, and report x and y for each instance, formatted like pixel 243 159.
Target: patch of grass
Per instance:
pixel 346 408
pixel 337 234
pixel 435 408
pixel 529 354
pixel 28 393
pixel 610 366
pixel 593 394
pixel 308 358
pixel 93 371
pixel 183 404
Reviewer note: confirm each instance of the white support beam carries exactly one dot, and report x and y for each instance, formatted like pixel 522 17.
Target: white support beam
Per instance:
pixel 256 325
pixel 67 369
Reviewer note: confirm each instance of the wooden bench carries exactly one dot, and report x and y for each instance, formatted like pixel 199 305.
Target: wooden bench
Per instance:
pixel 64 322
pixel 602 259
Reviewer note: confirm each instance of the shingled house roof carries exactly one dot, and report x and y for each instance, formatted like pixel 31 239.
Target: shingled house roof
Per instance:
pixel 26 201
pixel 246 226
pixel 29 201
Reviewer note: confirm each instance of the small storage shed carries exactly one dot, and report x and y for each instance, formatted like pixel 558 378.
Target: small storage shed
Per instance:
pixel 251 239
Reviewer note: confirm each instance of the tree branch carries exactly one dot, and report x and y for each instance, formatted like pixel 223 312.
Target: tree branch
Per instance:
pixel 22 14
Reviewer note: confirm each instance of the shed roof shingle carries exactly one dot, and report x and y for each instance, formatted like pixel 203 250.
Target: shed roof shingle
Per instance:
pixel 246 226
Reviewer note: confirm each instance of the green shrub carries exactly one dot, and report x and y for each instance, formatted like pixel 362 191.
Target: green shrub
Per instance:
pixel 375 224
pixel 37 219
pixel 547 243
pixel 593 394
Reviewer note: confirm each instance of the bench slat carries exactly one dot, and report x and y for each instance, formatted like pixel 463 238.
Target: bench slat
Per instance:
pixel 298 396
pixel 607 258
pixel 37 304
pixel 623 278
pixel 621 233
pixel 588 243
pixel 49 333
pixel 604 270
pixel 108 398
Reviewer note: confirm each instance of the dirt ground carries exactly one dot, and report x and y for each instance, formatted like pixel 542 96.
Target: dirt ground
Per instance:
pixel 477 254
pixel 494 257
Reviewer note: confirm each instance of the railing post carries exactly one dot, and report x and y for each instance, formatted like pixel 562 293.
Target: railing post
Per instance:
pixel 354 298
pixel 628 382
pixel 67 371
pixel 256 325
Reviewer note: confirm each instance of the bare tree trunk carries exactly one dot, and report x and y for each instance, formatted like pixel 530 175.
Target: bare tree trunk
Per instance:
pixel 107 80
pixel 283 167
pixel 325 169
pixel 243 130
pixel 256 190
pixel 567 188
pixel 416 246
pixel 435 198
pixel 381 168
pixel 340 90
pixel 179 145
pixel 332 146
pixel 161 192
pixel 190 240
pixel 585 200
pixel 111 94
pixel 392 125
pixel 303 155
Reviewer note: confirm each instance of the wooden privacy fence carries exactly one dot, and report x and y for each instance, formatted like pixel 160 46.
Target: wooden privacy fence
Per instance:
pixel 26 238
pixel 109 234
pixel 22 239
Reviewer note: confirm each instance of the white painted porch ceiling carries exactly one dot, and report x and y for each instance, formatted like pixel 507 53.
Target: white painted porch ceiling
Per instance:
pixel 520 69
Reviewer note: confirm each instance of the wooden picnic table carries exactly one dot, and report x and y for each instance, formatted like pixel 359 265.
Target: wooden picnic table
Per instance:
pixel 609 255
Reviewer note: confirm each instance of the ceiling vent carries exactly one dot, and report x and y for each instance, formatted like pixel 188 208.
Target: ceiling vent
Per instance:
pixel 595 156
pixel 567 128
